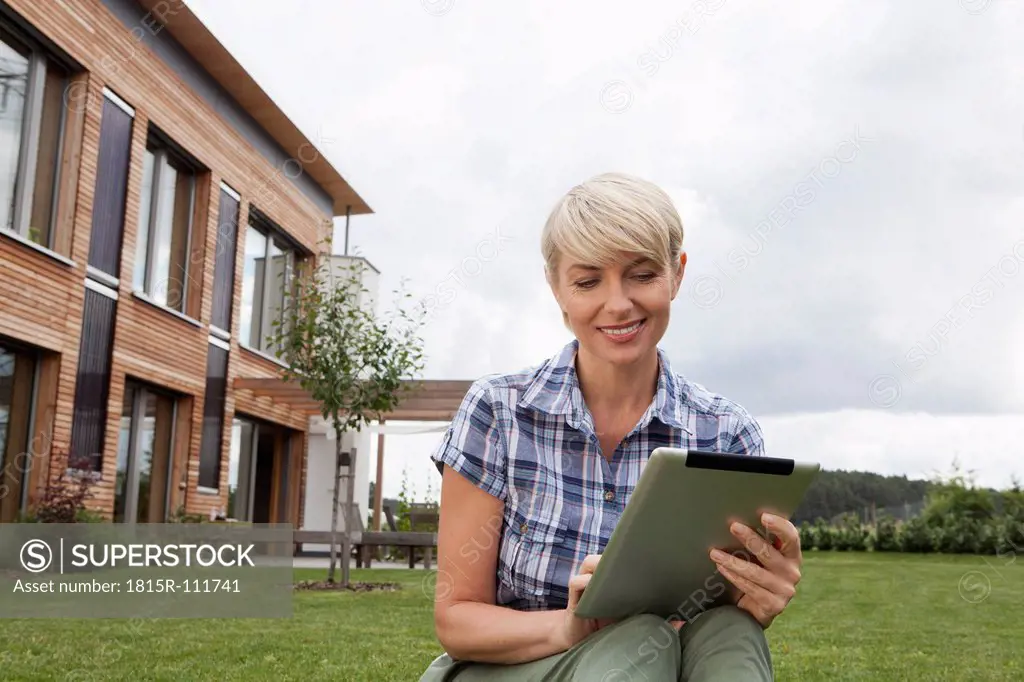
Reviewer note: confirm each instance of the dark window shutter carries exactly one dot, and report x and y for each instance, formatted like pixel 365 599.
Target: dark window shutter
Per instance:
pixel 213 417
pixel 224 262
pixel 92 385
pixel 111 189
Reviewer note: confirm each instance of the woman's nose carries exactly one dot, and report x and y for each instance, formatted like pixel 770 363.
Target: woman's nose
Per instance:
pixel 618 300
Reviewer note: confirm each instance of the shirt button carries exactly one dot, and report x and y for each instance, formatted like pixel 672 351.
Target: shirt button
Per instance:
pixel 522 528
pixel 609 495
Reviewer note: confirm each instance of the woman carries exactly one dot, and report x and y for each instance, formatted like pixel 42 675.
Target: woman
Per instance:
pixel 538 465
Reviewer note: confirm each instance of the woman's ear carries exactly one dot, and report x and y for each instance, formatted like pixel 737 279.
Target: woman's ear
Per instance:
pixel 677 280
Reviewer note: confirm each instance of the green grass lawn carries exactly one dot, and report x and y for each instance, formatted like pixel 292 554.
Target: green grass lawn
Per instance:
pixel 857 617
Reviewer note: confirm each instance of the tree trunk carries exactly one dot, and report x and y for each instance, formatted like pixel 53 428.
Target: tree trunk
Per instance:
pixel 334 509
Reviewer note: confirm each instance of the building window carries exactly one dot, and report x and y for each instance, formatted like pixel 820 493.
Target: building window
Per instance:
pixel 265 290
pixel 213 415
pixel 165 225
pixel 241 471
pixel 32 117
pixel 145 455
pixel 260 473
pixel 17 381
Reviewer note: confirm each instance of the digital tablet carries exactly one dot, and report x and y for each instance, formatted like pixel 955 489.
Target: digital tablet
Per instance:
pixel 657 559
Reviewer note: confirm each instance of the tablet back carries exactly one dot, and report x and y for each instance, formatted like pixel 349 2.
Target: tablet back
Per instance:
pixel 657 558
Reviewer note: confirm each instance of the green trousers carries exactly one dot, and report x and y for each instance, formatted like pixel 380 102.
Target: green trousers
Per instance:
pixel 722 644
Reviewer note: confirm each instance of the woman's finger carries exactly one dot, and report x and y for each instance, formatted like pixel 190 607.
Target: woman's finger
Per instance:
pixel 760 576
pixel 766 553
pixel 580 581
pixel 770 604
pixel 577 584
pixel 590 563
pixel 786 532
pixel 757 546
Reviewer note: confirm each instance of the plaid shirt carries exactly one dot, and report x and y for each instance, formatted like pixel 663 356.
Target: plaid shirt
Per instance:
pixel 528 439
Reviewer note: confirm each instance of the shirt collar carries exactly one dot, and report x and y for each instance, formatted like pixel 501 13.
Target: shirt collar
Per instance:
pixel 555 390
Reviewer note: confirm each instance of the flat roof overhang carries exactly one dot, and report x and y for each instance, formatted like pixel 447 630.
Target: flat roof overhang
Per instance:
pixel 425 399
pixel 203 46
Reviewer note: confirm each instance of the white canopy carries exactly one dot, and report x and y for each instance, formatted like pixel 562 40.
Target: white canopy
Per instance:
pixel 405 429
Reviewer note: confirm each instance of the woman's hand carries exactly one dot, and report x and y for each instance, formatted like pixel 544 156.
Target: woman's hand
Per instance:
pixel 767 584
pixel 571 629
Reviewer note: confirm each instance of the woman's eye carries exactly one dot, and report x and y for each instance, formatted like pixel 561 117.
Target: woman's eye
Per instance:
pixel 586 284
pixel 646 276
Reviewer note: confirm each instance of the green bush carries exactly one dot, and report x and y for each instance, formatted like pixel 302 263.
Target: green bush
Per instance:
pixel 89 516
pixel 81 515
pixel 886 537
pixel 948 528
pixel 824 535
pixel 841 535
pixel 1009 536
pixel 963 535
pixel 808 539
pixel 850 535
pixel 1012 503
pixel 1010 530
pixel 988 538
pixel 180 516
pixel 917 536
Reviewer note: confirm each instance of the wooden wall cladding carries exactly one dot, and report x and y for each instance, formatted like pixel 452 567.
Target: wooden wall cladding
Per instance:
pixel 41 295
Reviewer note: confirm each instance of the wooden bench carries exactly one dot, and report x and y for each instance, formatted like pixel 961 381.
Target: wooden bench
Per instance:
pixel 423 518
pixel 362 542
pixel 411 539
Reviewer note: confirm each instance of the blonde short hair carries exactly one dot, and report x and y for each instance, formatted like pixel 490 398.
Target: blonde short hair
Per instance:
pixel 608 214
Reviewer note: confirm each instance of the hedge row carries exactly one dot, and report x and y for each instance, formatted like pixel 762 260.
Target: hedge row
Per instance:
pixel 950 535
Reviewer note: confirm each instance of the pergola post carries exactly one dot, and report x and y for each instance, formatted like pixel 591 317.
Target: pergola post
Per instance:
pixel 378 489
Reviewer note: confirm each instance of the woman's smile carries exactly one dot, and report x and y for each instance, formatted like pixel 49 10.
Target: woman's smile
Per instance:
pixel 624 333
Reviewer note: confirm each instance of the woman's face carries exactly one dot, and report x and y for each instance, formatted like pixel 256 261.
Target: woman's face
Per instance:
pixel 618 313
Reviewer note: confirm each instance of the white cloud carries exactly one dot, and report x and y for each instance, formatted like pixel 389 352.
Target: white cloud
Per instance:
pixel 915 445
pixel 452 125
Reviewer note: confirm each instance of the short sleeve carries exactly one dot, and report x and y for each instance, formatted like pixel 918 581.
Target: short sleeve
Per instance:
pixel 747 438
pixel 474 445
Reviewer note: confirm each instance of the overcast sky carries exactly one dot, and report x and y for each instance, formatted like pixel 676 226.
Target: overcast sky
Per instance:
pixel 849 176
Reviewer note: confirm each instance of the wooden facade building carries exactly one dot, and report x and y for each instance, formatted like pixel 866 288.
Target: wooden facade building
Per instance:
pixel 153 204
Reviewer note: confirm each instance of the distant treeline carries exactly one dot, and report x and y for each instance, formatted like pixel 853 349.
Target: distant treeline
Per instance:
pixel 835 493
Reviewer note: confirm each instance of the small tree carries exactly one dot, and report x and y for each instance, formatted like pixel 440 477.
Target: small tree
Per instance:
pixel 354 364
pixel 957 496
pixel 65 496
